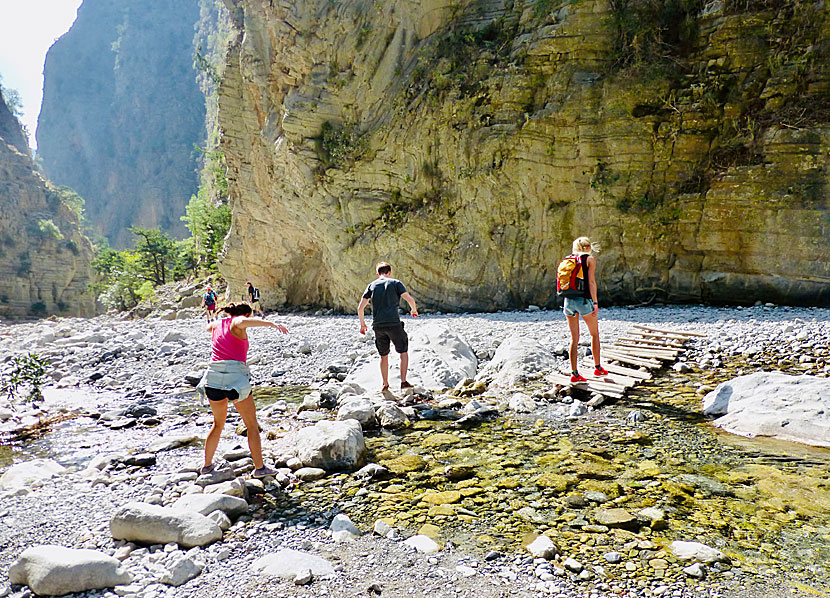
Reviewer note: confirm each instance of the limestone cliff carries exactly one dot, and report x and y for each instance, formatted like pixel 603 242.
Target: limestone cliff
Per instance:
pixel 122 112
pixel 44 259
pixel 468 142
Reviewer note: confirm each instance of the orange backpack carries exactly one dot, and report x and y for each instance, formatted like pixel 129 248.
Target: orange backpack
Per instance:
pixel 571 276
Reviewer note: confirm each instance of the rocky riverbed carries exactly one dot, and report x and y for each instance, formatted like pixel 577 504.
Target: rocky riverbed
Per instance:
pixel 538 494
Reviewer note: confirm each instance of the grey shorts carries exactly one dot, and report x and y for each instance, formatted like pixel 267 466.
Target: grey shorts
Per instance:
pixel 578 305
pixel 227 375
pixel 394 334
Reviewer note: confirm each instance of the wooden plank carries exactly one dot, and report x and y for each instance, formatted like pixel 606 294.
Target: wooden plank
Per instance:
pixel 640 350
pixel 650 341
pixel 609 390
pixel 631 360
pixel 615 378
pixel 663 331
pixel 619 369
pixel 639 354
pixel 681 340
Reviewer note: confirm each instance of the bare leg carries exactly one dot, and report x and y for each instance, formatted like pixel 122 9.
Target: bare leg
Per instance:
pixel 404 366
pixel 384 370
pixel 220 414
pixel 573 325
pixel 247 410
pixel 593 328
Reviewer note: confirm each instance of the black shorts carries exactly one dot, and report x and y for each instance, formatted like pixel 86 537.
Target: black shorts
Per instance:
pixel 217 394
pixel 396 334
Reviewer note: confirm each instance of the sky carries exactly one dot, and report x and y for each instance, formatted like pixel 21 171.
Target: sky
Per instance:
pixel 27 29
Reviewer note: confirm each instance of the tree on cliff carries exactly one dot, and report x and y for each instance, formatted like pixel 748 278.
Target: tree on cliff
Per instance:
pixel 157 253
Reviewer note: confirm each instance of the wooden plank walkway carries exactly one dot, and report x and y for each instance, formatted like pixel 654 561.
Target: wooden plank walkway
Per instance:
pixel 630 360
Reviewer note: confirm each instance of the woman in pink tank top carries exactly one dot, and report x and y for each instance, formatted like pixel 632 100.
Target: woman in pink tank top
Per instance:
pixel 228 379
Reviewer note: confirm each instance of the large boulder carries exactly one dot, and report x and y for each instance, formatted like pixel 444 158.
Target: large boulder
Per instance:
pixel 29 472
pixel 56 570
pixel 795 408
pixel 330 445
pixel 360 409
pixel 438 358
pixel 152 524
pixel 290 563
pixel 518 358
pixel 206 504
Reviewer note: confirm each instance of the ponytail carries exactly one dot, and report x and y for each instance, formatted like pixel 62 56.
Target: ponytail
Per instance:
pixel 237 309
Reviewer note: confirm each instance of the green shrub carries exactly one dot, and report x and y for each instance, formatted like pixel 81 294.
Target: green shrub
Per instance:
pixel 340 145
pixel 49 229
pixel 25 379
pixel 38 309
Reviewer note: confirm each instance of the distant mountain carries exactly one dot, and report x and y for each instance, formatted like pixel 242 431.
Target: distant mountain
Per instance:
pixel 122 112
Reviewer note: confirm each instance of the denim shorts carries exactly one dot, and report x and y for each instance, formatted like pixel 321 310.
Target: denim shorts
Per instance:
pixel 227 375
pixel 578 305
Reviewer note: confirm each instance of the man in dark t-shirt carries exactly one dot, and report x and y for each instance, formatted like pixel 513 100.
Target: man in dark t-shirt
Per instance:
pixel 385 293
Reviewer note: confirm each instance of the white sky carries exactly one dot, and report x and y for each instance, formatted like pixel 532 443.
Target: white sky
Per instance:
pixel 27 29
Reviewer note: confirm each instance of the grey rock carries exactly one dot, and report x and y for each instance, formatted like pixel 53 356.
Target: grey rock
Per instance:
pixel 142 522
pixel 204 504
pixel 56 570
pixel 289 563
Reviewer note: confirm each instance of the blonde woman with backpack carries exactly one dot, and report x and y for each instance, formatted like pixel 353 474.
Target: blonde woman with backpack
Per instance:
pixel 577 283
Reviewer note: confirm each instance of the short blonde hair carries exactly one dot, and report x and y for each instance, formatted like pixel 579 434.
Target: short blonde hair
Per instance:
pixel 584 245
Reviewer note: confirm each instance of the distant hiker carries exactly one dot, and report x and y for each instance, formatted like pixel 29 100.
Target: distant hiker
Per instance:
pixel 253 297
pixel 577 283
pixel 209 303
pixel 228 379
pixel 385 294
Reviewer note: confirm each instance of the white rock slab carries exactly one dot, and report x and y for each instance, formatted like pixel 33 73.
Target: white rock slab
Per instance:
pixel 290 563
pixel 423 544
pixel 29 472
pixel 205 504
pixel 795 408
pixel 517 359
pixel 56 570
pixel 695 551
pixel 438 358
pixel 152 524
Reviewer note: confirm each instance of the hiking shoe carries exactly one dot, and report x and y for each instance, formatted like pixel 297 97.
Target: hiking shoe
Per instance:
pixel 207 469
pixel 264 472
pixel 406 385
pixel 578 378
pixel 600 371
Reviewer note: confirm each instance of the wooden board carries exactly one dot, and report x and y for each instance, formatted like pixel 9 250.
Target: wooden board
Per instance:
pixel 610 390
pixel 652 342
pixel 642 351
pixel 620 369
pixel 680 333
pixel 676 339
pixel 630 359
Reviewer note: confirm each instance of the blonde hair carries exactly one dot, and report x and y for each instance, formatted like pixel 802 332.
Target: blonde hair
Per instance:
pixel 585 245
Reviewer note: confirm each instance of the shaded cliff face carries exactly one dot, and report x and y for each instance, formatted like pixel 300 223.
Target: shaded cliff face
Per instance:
pixel 122 112
pixel 44 259
pixel 468 143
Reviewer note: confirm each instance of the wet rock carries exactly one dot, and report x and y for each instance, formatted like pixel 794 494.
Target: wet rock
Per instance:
pixel 653 517
pixel 521 403
pixel 141 460
pixel 372 471
pixel 695 551
pixel 288 564
pixel 309 474
pixel 391 416
pixel 142 522
pixel 619 518
pixel 695 570
pixel 56 570
pixel 168 443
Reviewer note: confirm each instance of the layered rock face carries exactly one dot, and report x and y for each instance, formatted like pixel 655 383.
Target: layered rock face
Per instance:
pixel 122 112
pixel 468 143
pixel 44 259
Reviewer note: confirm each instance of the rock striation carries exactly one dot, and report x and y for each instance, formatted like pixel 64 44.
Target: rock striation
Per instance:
pixel 122 112
pixel 468 143
pixel 44 258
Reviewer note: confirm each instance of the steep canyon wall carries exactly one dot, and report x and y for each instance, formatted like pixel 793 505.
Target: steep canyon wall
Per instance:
pixel 122 112
pixel 468 142
pixel 44 259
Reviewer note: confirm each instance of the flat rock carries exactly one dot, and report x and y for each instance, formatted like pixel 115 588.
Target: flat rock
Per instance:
pixel 56 570
pixel 615 518
pixel 27 473
pixel 288 564
pixel 152 524
pixel 205 504
pixel 695 551
pixel 794 408
pixel 423 544
pixel 168 443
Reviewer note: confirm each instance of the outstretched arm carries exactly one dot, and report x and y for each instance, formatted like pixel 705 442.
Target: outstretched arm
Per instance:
pixel 361 307
pixel 259 322
pixel 413 309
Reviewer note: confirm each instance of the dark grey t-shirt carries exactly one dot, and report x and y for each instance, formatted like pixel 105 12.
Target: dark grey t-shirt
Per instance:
pixel 385 294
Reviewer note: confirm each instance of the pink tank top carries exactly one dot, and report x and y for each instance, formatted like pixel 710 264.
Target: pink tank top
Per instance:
pixel 226 345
